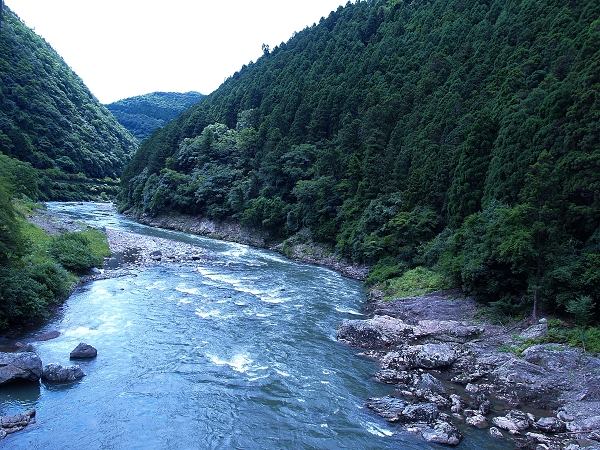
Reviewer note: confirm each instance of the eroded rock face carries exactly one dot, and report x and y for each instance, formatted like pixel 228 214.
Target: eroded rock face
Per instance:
pixel 84 351
pixel 24 366
pixel 58 374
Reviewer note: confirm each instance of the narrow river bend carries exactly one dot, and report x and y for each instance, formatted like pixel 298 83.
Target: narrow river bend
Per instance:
pixel 237 351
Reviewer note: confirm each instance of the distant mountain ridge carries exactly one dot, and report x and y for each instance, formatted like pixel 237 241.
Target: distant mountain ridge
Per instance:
pixel 50 119
pixel 143 114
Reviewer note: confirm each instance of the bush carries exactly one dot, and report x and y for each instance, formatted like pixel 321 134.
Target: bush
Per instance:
pixel 53 278
pixel 414 282
pixel 21 297
pixel 74 252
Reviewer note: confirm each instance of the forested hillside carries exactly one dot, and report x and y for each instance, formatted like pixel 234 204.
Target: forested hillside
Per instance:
pixel 143 114
pixel 458 135
pixel 49 119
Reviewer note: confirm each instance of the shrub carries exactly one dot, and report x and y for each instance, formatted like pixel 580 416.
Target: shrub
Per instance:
pixel 414 282
pixel 21 297
pixel 74 252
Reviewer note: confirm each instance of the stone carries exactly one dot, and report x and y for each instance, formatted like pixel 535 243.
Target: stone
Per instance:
pixel 505 424
pixel 84 351
pixel 522 382
pixel 477 421
pixel 430 383
pixel 156 255
pixel 447 330
pixel 378 332
pixel 391 376
pixel 520 419
pixel 496 433
pixel 56 373
pixel 535 331
pixel 432 356
pixel 16 422
pixel 24 366
pixel 442 433
pixel 550 425
pixel 420 412
pixel 457 403
pixel 390 408
pixel 554 357
pixel 584 424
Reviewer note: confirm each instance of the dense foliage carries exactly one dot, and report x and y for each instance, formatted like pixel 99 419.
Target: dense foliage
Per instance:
pixel 143 114
pixel 49 119
pixel 36 270
pixel 459 135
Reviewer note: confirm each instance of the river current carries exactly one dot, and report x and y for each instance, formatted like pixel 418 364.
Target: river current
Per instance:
pixel 237 351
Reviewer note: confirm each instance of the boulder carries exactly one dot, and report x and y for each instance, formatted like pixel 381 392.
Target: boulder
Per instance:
pixel 419 412
pixel 58 374
pixel 554 357
pixel 514 422
pixel 25 366
pixel 442 433
pixel 433 356
pixel 427 356
pixel 535 331
pixel 14 423
pixel 523 382
pixel 391 376
pixel 447 330
pixel 550 425
pixel 378 332
pixel 496 433
pixel 430 383
pixel 84 351
pixel 477 421
pixel 390 408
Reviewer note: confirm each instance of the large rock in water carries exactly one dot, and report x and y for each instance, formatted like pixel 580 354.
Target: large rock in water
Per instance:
pixel 56 373
pixel 84 351
pixel 26 366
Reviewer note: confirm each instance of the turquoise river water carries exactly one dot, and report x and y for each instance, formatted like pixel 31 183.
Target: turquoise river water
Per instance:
pixel 237 351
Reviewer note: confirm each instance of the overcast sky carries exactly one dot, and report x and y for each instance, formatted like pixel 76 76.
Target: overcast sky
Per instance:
pixel 124 48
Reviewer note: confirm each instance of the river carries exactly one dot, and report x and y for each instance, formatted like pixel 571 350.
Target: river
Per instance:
pixel 237 351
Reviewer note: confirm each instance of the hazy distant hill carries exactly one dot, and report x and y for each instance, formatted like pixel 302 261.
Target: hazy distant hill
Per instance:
pixel 49 118
pixel 143 114
pixel 459 135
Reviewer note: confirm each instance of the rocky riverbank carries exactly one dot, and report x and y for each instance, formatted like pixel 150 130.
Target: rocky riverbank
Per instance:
pixel 304 252
pixel 451 370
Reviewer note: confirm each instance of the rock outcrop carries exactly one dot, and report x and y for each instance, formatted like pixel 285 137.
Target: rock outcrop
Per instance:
pixel 420 342
pixel 24 366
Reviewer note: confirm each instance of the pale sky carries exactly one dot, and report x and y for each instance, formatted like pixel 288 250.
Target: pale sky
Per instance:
pixel 124 48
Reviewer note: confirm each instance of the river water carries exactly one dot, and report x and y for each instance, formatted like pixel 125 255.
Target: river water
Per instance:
pixel 235 352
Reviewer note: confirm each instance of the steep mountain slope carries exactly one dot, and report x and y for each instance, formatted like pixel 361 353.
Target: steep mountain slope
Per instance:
pixel 143 114
pixel 462 135
pixel 50 119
